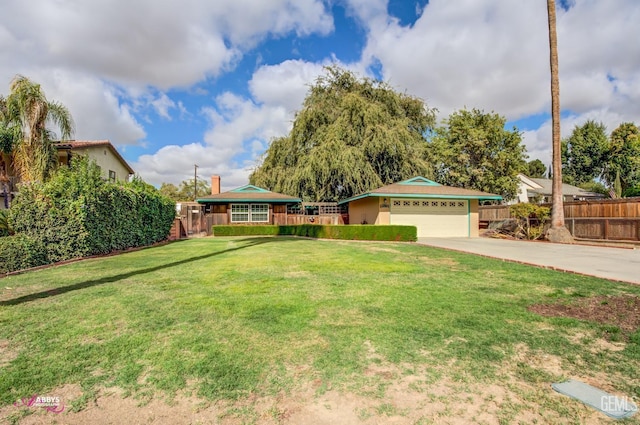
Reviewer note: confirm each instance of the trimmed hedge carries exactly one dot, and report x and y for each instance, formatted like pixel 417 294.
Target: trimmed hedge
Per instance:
pixel 21 252
pixel 261 230
pixel 77 214
pixel 349 232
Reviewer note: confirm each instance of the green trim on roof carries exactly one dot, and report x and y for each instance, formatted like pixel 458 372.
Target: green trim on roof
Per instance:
pixel 420 195
pixel 249 188
pixel 420 181
pixel 249 200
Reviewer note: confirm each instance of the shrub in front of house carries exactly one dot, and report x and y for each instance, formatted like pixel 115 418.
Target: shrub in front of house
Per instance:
pixel 19 252
pixel 77 214
pixel 348 232
pixel 529 220
pixel 240 230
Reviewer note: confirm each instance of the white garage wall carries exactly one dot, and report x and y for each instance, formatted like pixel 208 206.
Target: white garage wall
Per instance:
pixel 433 217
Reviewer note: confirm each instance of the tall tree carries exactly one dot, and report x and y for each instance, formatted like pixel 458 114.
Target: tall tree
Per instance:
pixel 169 190
pixel 557 232
pixel 584 153
pixel 475 151
pixel 624 157
pixel 27 113
pixel 184 192
pixel 536 169
pixel 352 135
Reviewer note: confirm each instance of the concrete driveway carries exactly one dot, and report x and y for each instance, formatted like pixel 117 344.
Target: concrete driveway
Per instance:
pixel 619 264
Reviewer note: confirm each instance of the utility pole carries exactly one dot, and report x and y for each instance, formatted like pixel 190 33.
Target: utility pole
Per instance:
pixel 195 182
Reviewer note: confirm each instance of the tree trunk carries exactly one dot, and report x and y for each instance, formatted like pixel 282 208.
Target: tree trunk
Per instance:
pixel 558 232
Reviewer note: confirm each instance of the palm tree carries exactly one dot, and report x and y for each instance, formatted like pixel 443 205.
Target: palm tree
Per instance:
pixel 26 113
pixel 558 232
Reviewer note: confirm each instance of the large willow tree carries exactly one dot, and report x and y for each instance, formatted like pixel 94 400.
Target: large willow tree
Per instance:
pixel 352 135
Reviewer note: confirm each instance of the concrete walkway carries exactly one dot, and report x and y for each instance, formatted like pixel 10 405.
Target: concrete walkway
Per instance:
pixel 619 264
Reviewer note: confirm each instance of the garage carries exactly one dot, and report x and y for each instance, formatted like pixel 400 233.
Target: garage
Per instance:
pixel 433 218
pixel 436 210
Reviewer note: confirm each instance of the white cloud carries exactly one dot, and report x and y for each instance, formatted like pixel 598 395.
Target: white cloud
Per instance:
pixel 285 84
pixel 239 130
pixel 494 55
pixel 175 43
pixel 108 59
pixel 95 106
pixel 162 104
pixel 467 53
pixel 238 127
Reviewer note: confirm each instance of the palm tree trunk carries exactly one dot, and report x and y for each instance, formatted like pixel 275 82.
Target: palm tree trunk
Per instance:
pixel 558 232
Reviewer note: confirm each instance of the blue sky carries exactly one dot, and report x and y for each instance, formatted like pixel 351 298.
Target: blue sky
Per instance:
pixel 174 83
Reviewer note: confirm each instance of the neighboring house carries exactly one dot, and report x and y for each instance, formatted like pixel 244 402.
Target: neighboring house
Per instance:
pixel 112 165
pixel 436 210
pixel 246 205
pixel 539 191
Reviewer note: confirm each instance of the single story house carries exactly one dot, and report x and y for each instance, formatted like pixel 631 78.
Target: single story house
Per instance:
pixel 246 205
pixel 436 210
pixel 539 191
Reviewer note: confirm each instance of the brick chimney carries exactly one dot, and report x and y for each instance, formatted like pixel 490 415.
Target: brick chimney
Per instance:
pixel 215 185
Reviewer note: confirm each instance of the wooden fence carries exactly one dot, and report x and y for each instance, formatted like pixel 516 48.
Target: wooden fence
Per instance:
pixel 607 219
pixel 613 229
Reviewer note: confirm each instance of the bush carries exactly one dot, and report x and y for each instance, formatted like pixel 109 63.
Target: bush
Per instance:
pixel 262 230
pixel 21 252
pixel 5 229
pixel 77 214
pixel 631 192
pixel 529 220
pixel 349 232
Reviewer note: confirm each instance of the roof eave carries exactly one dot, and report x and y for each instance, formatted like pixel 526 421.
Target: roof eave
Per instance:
pixel 422 195
pixel 254 200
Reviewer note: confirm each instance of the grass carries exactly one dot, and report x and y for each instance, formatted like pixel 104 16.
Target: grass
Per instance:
pixel 225 318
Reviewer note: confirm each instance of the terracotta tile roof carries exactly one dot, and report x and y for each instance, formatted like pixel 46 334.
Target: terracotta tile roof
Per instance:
pixel 74 144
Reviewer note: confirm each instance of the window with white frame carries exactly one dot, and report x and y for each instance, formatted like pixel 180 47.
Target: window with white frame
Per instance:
pixel 240 213
pixel 260 212
pixel 249 213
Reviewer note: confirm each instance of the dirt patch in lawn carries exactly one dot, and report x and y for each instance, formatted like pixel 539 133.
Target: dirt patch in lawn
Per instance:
pixel 622 312
pixel 385 393
pixel 404 401
pixel 382 249
pixel 298 274
pixel 445 261
pixel 7 353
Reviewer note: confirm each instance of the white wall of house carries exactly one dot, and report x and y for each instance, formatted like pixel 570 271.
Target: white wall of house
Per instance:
pixel 106 160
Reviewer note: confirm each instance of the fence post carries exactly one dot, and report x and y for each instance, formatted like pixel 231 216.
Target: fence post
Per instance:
pixel 606 228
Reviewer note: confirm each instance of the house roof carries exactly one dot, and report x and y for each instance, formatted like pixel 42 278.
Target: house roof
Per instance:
pixel 421 187
pixel 248 193
pixel 544 187
pixel 84 144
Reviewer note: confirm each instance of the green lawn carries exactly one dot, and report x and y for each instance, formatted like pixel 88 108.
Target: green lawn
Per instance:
pixel 232 319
